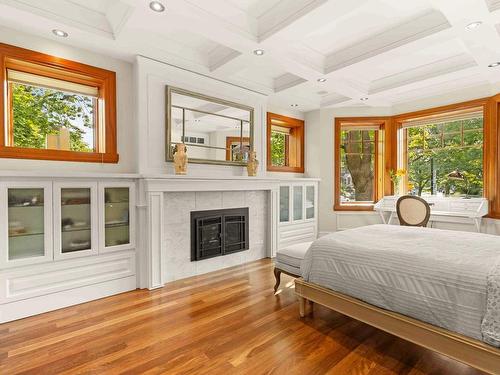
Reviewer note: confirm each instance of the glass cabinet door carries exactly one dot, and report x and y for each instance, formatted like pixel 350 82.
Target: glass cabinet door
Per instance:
pixel 116 216
pixel 284 204
pixel 76 220
pixel 298 203
pixel 26 223
pixel 310 202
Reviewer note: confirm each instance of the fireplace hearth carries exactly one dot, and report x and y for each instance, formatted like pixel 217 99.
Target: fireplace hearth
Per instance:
pixel 218 232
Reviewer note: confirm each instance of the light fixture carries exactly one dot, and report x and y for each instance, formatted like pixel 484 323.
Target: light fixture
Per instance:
pixel 60 33
pixel 321 80
pixel 493 65
pixel 473 25
pixel 156 6
pixel 364 99
pixel 294 105
pixel 258 52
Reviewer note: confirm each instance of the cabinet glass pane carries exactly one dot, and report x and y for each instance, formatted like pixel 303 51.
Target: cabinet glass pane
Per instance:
pixel 309 202
pixel 284 204
pixel 26 223
pixel 75 219
pixel 116 216
pixel 297 203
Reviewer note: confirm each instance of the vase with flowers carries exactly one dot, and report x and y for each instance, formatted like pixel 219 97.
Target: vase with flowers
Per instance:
pixel 396 177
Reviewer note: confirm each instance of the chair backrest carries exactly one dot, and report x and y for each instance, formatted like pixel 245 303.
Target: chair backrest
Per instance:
pixel 413 211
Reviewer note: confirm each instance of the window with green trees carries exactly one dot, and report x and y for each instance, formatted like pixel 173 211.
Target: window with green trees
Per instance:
pixel 278 148
pixel 285 144
pixel 437 149
pixel 50 118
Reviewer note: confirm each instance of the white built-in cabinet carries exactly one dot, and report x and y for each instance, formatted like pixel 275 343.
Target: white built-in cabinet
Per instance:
pixel 64 242
pixel 298 202
pixel 50 221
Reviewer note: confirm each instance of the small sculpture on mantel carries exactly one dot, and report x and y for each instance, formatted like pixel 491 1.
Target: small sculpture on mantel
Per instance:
pixel 180 158
pixel 252 164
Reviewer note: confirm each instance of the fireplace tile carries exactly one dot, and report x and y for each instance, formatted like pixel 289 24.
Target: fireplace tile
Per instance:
pixel 233 199
pixel 208 200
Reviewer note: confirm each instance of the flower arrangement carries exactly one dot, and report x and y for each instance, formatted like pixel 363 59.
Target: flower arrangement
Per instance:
pixel 396 176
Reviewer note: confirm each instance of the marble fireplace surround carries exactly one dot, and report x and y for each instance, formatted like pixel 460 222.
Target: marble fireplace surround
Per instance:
pixel 167 202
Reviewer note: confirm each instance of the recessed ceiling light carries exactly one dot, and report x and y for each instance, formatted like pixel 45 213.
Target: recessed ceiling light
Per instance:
pixel 321 80
pixel 258 52
pixel 157 6
pixel 494 65
pixel 473 25
pixel 364 99
pixel 60 33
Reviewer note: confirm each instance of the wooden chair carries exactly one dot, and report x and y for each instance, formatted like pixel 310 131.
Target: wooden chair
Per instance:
pixel 413 211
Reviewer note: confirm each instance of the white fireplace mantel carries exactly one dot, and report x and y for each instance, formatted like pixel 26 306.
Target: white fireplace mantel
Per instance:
pixel 156 183
pixel 152 189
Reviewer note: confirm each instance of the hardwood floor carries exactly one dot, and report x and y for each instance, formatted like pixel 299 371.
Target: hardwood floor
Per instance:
pixel 226 322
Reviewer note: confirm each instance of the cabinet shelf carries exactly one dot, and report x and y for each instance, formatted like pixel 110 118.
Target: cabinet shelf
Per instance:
pixel 117 225
pixel 26 234
pixel 38 205
pixel 78 229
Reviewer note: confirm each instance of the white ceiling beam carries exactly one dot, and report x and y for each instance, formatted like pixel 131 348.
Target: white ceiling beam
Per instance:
pixel 416 29
pixel 285 13
pixel 436 69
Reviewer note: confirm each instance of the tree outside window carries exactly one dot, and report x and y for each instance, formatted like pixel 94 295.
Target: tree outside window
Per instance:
pixel 435 150
pixel 39 112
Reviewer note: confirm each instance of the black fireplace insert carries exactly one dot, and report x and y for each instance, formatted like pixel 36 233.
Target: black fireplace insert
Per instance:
pixel 218 232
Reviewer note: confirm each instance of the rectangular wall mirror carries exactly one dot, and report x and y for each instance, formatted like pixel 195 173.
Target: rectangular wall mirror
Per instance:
pixel 215 131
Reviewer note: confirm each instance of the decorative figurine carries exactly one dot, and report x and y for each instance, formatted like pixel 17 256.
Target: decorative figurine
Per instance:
pixel 180 158
pixel 252 164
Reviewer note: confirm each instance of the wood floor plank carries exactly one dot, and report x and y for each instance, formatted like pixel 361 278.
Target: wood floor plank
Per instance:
pixel 225 322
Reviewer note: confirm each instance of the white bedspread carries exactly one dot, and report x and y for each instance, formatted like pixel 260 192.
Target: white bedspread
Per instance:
pixel 449 279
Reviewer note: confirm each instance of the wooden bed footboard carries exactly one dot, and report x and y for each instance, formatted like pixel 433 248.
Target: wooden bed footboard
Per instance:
pixel 469 351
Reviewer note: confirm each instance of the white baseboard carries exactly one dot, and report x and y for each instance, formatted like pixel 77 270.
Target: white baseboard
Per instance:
pixel 37 305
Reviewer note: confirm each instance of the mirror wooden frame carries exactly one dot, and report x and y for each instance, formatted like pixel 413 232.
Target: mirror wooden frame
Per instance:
pixel 168 136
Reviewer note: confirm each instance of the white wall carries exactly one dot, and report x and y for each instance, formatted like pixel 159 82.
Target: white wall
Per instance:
pixel 320 162
pixel 125 109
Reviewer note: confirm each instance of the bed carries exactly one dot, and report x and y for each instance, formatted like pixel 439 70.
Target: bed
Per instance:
pixel 437 288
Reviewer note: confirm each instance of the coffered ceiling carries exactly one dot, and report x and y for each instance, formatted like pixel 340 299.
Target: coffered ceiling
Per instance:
pixel 384 51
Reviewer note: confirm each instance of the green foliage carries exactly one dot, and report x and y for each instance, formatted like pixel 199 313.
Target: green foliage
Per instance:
pixel 278 146
pixel 443 148
pixel 40 111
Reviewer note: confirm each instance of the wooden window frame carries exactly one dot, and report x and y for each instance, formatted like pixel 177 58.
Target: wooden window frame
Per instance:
pixel 385 158
pixel 294 149
pixel 105 137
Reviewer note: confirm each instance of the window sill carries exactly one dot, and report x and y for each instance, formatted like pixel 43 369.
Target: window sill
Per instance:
pixel 271 168
pixel 354 207
pixel 57 155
